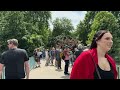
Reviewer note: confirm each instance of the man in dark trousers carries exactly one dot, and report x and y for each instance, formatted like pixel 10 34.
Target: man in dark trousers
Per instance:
pixel 78 51
pixel 15 61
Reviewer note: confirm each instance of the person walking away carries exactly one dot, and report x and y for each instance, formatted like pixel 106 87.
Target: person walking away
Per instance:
pixel 52 53
pixel 39 56
pixel 78 51
pixel 15 61
pixel 67 58
pixel 35 55
pixel 58 58
pixel 47 57
pixel 71 57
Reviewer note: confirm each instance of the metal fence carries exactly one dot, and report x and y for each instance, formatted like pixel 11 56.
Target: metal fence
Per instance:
pixel 32 64
pixel 118 69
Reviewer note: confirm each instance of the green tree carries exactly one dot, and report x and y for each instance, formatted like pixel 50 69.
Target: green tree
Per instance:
pixel 11 26
pixel 83 28
pixel 105 20
pixel 62 26
pixel 31 28
pixel 37 25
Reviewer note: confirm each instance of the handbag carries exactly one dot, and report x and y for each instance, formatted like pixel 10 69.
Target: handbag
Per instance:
pixel 95 66
pixel 63 57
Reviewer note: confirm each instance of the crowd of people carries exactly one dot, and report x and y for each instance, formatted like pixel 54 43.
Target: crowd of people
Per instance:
pixel 90 62
pixel 55 55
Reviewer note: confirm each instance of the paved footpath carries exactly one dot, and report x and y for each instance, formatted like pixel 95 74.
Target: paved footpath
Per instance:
pixel 49 72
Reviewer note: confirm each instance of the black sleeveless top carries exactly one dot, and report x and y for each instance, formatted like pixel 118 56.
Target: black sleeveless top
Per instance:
pixel 104 74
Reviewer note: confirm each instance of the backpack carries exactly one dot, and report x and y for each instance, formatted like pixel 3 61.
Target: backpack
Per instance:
pixel 63 57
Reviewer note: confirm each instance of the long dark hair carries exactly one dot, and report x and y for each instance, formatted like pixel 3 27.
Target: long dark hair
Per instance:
pixel 97 37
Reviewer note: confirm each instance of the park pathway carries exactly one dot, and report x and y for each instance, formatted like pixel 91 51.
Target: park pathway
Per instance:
pixel 48 72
